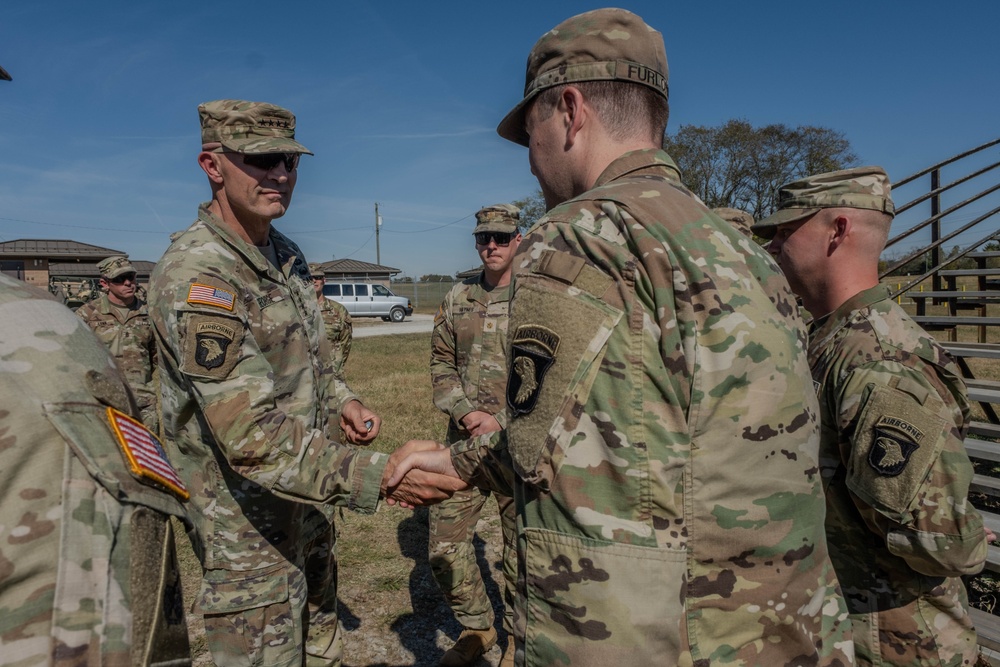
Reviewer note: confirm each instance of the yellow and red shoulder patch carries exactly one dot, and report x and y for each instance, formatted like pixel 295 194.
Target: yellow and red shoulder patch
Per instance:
pixel 144 453
pixel 211 296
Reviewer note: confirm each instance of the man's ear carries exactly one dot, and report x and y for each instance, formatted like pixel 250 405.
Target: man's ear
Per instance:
pixel 571 102
pixel 839 231
pixel 209 163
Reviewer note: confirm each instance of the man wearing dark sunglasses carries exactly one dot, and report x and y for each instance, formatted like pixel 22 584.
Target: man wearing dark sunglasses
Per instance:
pixel 121 320
pixel 469 376
pixel 249 389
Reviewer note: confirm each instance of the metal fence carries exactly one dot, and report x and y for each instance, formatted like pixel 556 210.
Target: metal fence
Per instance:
pixel 425 297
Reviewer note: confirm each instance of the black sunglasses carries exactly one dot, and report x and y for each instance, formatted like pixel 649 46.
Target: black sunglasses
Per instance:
pixel 501 238
pixel 118 280
pixel 268 161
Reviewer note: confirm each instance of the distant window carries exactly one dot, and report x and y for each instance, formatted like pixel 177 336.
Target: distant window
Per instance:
pixel 331 290
pixel 378 290
pixel 348 290
pixel 362 290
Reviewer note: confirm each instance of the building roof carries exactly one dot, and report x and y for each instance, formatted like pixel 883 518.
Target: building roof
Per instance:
pixel 355 266
pixel 55 249
pixel 89 269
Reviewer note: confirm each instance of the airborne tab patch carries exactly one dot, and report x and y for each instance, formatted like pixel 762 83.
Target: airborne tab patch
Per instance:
pixel 894 442
pixel 211 296
pixel 145 454
pixel 533 351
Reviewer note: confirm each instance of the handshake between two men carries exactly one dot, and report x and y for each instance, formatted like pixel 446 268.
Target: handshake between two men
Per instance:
pixel 420 473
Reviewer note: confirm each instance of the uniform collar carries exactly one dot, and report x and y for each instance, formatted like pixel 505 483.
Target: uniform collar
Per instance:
pixel 640 162
pixel 827 325
pixel 248 251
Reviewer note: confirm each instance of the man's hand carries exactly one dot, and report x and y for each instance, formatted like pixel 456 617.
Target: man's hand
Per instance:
pixel 412 486
pixel 478 422
pixel 360 424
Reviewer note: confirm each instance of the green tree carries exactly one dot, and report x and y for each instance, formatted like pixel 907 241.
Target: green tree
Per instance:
pixel 532 208
pixel 742 166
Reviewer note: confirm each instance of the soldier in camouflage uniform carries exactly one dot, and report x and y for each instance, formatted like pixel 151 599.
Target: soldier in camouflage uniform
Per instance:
pixel 469 374
pixel 662 430
pixel 87 568
pixel 336 321
pixel 248 388
pixel 121 320
pixel 894 409
pixel 739 219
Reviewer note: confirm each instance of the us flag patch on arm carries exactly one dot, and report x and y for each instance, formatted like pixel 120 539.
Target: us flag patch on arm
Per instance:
pixel 144 453
pixel 211 296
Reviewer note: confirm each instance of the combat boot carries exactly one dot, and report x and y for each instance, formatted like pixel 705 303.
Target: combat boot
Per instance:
pixel 470 645
pixel 508 655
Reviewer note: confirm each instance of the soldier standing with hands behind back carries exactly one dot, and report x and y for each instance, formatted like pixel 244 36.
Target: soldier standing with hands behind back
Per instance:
pixel 336 321
pixel 248 390
pixel 469 376
pixel 121 320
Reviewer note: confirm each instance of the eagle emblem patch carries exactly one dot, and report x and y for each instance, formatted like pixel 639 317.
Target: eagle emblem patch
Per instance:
pixel 212 340
pixel 894 442
pixel 532 353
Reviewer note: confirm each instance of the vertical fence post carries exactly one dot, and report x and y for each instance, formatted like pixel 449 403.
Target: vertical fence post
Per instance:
pixel 936 229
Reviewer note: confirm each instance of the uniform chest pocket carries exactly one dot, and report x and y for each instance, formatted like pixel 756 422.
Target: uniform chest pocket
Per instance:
pixel 558 336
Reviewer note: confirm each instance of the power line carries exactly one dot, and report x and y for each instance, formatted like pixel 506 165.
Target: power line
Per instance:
pixel 100 229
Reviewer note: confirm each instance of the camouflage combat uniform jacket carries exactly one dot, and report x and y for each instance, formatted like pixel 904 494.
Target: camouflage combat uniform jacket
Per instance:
pixel 132 346
pixel 468 364
pixel 247 390
pixel 900 527
pixel 339 331
pixel 665 440
pixel 87 568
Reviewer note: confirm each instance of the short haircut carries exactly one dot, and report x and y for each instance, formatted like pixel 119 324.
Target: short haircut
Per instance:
pixel 626 110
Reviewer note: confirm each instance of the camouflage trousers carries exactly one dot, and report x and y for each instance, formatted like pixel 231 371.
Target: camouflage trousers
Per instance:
pixel 452 557
pixel 282 623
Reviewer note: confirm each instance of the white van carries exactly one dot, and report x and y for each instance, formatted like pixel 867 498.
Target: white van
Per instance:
pixel 368 300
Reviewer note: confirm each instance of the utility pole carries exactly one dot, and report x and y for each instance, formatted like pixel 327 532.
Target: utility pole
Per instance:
pixel 378 224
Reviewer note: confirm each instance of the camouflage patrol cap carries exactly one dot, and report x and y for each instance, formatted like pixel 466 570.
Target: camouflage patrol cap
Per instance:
pixel 112 267
pixel 739 219
pixel 316 269
pixel 249 127
pixel 497 218
pixel 860 187
pixel 600 45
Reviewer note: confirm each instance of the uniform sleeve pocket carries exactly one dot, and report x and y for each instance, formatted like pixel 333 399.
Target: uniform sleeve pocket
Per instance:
pixel 895 444
pixel 551 369
pixel 591 602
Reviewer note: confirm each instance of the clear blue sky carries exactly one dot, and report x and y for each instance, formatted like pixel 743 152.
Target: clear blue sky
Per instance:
pixel 400 101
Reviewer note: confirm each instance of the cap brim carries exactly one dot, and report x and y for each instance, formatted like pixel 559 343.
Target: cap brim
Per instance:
pixel 119 272
pixel 260 145
pixel 511 127
pixel 502 227
pixel 767 227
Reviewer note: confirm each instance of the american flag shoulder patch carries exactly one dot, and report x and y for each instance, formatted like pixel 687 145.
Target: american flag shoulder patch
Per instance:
pixel 211 296
pixel 144 453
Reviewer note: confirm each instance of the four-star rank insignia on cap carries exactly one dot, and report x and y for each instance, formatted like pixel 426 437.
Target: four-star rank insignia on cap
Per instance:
pixel 894 442
pixel 144 453
pixel 532 353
